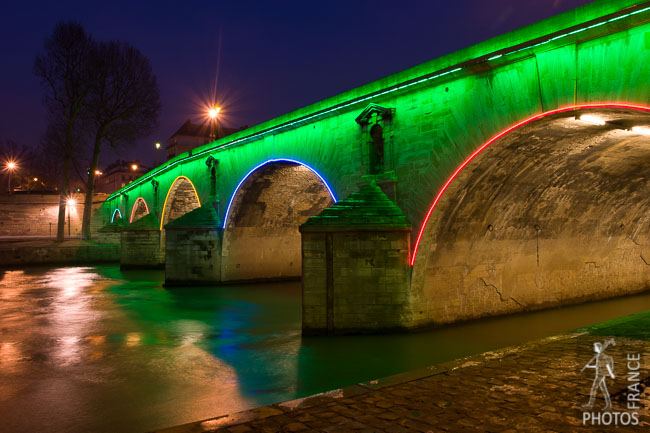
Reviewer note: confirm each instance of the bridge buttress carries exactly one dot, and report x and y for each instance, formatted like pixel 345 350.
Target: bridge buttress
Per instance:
pixel 355 266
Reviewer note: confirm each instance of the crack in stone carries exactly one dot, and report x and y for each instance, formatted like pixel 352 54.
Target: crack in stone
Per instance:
pixel 634 241
pixel 496 289
pixel 644 260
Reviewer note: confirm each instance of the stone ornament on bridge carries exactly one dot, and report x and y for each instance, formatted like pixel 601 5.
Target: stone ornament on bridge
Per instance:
pixel 377 153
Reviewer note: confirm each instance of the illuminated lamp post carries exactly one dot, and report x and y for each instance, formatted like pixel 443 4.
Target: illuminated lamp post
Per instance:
pixel 70 203
pixel 157 152
pixel 11 166
pixel 213 113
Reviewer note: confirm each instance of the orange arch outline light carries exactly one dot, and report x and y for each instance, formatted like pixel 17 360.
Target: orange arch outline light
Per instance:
pixel 139 199
pixel 501 134
pixel 162 216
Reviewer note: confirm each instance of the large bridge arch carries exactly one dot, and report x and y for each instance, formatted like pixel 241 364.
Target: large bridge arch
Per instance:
pixel 261 238
pixel 553 210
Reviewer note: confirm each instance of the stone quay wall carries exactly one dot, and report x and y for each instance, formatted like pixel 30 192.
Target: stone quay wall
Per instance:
pixel 36 215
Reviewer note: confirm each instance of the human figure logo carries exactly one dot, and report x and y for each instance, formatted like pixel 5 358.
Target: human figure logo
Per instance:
pixel 603 366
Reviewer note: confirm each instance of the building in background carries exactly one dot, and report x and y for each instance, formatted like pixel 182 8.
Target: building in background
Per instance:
pixel 119 174
pixel 192 135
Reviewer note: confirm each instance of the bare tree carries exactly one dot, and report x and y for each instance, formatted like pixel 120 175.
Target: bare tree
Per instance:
pixel 66 80
pixel 122 106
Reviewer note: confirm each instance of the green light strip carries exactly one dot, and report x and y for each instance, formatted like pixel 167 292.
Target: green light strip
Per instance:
pixel 579 30
pixel 357 101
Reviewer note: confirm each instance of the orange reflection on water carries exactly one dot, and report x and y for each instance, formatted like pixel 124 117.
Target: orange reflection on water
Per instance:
pixel 132 339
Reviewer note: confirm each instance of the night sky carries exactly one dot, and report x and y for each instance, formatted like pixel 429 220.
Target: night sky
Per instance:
pixel 271 57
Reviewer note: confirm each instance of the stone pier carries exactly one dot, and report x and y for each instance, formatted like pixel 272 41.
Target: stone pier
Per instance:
pixel 141 244
pixel 355 266
pixel 193 247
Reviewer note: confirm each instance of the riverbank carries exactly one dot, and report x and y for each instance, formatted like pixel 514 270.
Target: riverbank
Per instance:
pixel 533 387
pixel 47 251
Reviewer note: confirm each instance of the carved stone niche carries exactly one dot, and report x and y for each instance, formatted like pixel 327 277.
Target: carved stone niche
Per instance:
pixel 377 150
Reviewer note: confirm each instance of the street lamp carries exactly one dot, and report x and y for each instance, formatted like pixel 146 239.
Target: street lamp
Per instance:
pixel 70 203
pixel 157 152
pixel 11 166
pixel 134 167
pixel 213 113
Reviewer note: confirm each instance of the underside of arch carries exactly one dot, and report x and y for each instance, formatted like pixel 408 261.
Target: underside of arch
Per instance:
pixel 117 215
pixel 181 199
pixel 261 238
pixel 555 211
pixel 139 210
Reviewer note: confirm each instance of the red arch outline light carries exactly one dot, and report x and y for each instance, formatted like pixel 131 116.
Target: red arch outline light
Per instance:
pixel 501 134
pixel 135 204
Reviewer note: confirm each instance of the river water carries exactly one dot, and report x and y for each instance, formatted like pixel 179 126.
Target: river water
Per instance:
pixel 95 349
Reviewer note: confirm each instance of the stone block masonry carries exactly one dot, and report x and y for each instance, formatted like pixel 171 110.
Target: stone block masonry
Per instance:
pixel 193 247
pixel 50 252
pixel 355 266
pixel 36 215
pixel 141 244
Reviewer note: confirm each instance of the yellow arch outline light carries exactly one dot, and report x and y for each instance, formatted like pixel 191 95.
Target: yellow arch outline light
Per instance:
pixel 134 205
pixel 162 216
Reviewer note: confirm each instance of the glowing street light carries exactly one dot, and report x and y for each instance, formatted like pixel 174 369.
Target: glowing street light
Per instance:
pixel 134 167
pixel 71 202
pixel 11 166
pixel 157 152
pixel 214 112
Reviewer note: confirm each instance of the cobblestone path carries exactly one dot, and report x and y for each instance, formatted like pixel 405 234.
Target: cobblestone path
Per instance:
pixel 536 387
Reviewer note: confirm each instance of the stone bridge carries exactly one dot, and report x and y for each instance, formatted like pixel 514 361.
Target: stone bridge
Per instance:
pixel 508 176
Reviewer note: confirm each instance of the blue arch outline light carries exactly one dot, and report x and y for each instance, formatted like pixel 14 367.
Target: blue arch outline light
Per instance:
pixel 234 194
pixel 114 212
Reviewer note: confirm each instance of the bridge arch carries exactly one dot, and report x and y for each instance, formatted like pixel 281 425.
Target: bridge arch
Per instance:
pixel 553 210
pixel 116 211
pixel 139 209
pixel 261 238
pixel 181 198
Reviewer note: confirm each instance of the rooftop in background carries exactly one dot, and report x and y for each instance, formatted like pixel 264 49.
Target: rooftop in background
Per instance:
pixel 118 174
pixel 191 135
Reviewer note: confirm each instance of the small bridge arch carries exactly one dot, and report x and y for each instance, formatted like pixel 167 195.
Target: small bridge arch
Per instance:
pixel 139 209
